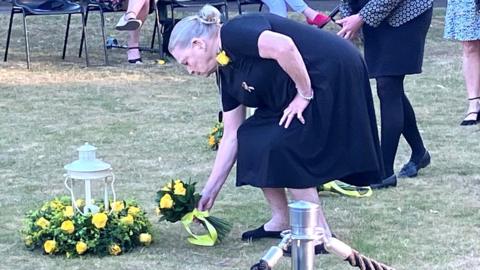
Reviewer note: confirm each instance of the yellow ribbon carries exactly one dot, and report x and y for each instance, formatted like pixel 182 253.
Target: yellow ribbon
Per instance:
pixel 352 191
pixel 208 239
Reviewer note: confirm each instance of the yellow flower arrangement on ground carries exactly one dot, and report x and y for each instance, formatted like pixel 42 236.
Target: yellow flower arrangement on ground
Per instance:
pixel 57 229
pixel 215 136
pixel 177 201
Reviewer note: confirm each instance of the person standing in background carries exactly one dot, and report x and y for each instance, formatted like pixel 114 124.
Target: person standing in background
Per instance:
pixel 394 34
pixel 462 23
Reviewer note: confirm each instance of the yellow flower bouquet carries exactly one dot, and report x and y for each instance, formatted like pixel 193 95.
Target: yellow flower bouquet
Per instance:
pixel 57 229
pixel 177 201
pixel 215 136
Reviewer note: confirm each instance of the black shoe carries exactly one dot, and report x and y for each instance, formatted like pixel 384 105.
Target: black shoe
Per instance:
pixel 411 168
pixel 260 233
pixel 386 183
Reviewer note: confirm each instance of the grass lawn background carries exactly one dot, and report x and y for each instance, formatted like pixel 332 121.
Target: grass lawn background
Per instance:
pixel 150 122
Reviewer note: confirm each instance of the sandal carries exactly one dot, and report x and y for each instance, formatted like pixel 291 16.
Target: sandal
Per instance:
pixel 129 24
pixel 473 121
pixel 136 61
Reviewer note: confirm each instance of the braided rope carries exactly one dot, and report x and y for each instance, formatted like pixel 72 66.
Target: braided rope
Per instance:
pixel 365 263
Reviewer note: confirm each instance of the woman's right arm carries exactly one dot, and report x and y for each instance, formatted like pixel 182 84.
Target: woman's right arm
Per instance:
pixel 226 157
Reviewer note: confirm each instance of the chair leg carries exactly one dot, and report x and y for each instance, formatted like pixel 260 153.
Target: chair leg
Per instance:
pixel 225 9
pixel 158 32
pixel 102 22
pixel 84 39
pixel 27 45
pixel 8 35
pixel 84 18
pixel 66 36
pixel 152 42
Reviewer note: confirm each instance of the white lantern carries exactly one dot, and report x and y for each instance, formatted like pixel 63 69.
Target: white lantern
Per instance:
pixel 87 169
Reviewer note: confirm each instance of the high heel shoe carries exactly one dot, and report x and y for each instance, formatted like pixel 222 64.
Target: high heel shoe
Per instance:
pixel 136 61
pixel 320 20
pixel 472 121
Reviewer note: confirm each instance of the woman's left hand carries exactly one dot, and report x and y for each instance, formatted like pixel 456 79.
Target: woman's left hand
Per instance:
pixel 350 26
pixel 294 109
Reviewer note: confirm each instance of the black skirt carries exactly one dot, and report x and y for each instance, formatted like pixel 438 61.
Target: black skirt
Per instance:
pixel 394 51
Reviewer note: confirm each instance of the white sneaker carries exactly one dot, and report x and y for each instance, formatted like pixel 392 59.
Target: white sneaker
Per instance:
pixel 128 24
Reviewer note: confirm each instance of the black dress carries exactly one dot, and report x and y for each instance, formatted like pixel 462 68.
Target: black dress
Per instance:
pixel 339 140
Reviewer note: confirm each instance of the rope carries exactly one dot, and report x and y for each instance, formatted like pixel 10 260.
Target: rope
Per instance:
pixel 261 265
pixel 364 263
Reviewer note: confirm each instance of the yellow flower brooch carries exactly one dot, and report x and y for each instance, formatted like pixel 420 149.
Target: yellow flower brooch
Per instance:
pixel 222 58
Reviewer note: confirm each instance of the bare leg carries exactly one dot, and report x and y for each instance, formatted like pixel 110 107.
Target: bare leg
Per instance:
pixel 471 73
pixel 139 10
pixel 311 195
pixel 277 199
pixel 136 7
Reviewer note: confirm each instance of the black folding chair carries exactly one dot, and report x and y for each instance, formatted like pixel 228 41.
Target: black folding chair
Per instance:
pixel 102 8
pixel 166 21
pixel 242 3
pixel 44 7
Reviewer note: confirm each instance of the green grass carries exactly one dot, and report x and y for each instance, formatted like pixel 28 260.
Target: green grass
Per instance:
pixel 150 122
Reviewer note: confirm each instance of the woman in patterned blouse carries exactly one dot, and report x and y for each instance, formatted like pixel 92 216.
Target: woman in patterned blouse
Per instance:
pixel 394 35
pixel 462 23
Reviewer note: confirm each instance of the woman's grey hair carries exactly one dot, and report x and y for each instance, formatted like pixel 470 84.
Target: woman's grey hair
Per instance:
pixel 204 24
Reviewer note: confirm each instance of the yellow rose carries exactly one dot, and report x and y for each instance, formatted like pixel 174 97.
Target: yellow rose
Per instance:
pixel 67 226
pixel 127 220
pixel 81 247
pixel 145 238
pixel 214 130
pixel 132 210
pixel 99 220
pixel 211 140
pixel 222 58
pixel 115 249
pixel 117 206
pixel 157 211
pixel 166 201
pixel 49 246
pixel 56 204
pixel 42 223
pixel 80 203
pixel 179 189
pixel 68 212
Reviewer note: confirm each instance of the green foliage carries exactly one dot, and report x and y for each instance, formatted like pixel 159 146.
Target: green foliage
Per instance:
pixel 215 136
pixel 123 228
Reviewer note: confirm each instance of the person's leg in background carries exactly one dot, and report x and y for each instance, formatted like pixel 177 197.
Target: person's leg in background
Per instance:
pixel 139 7
pixel 313 17
pixel 390 93
pixel 132 21
pixel 277 7
pixel 471 73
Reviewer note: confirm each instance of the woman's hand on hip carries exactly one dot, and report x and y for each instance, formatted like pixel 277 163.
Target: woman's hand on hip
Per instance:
pixel 294 109
pixel 350 26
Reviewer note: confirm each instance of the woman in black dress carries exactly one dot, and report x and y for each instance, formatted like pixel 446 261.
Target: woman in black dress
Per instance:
pixel 394 35
pixel 314 121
